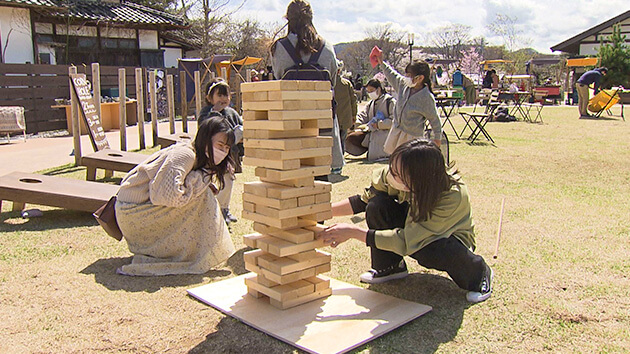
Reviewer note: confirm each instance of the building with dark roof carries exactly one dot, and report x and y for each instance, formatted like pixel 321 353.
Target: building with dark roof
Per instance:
pixel 110 32
pixel 588 42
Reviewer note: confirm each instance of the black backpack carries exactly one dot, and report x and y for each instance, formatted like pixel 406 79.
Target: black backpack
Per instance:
pixel 304 71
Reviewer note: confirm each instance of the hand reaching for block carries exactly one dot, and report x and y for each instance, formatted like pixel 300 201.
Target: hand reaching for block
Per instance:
pixel 337 234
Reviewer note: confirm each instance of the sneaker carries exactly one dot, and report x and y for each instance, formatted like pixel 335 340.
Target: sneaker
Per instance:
pixel 486 288
pixel 397 271
pixel 228 216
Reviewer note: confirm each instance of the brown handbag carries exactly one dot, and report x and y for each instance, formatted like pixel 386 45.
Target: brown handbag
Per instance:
pixel 106 217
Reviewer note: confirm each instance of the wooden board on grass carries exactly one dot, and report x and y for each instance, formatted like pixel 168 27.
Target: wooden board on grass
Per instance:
pixel 350 317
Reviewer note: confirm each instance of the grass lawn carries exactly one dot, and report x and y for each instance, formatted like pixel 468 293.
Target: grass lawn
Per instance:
pixel 562 276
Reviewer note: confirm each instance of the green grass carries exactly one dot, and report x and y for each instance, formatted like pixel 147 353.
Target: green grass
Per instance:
pixel 562 276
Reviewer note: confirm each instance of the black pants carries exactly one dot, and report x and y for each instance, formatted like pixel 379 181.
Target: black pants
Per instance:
pixel 448 254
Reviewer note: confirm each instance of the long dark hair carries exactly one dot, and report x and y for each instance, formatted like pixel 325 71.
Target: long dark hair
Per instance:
pixel 421 68
pixel 203 142
pixel 420 165
pixel 300 21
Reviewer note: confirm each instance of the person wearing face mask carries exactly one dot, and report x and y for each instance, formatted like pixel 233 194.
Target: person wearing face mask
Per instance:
pixel 416 207
pixel 218 100
pixel 372 124
pixel 415 104
pixel 167 209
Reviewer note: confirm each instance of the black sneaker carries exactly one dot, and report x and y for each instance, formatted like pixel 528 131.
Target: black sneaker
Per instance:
pixel 485 289
pixel 228 216
pixel 397 271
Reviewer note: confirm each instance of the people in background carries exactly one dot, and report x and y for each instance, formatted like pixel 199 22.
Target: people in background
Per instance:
pixel 495 79
pixel 167 210
pixel 372 124
pixel 591 77
pixel 218 100
pixel 415 207
pixel 487 80
pixel 305 40
pixel 346 106
pixel 415 104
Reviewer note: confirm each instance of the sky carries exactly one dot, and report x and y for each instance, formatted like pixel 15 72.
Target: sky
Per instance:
pixel 543 23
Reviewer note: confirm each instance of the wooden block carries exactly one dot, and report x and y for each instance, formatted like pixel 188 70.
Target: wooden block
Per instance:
pixel 320 198
pixel 306 200
pixel 299 235
pixel 323 268
pixel 275 222
pixel 251 240
pixel 276 164
pixel 287 265
pixel 321 86
pixel 279 134
pixel 324 215
pixel 279 124
pixel 252 256
pixel 255 293
pixel 287 105
pixel 250 207
pixel 296 183
pixel 282 155
pixel 256 96
pixel 272 202
pixel 255 115
pixel 315 123
pixel 303 256
pixel 260 279
pixel 281 293
pixel 306 85
pixel 324 141
pixel 281 248
pixel 317 161
pixel 299 95
pixel 253 268
pixel 325 113
pixel 272 85
pixel 290 213
pixel 277 176
pixel 320 283
pixel 277 191
pixel 291 277
pixel 301 300
pixel 287 144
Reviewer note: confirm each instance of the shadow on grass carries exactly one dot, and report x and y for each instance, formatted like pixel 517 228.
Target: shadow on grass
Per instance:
pixel 52 219
pixel 104 271
pixel 423 335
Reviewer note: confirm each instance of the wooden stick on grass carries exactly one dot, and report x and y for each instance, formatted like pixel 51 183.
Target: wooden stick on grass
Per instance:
pixel 496 248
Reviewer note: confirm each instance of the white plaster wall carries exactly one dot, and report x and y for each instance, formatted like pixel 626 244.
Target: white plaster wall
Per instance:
pixel 589 49
pixel 114 32
pixel 148 39
pixel 43 48
pixel 15 26
pixel 171 55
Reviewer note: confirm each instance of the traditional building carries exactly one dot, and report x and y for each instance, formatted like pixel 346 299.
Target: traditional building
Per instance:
pixel 110 32
pixel 588 42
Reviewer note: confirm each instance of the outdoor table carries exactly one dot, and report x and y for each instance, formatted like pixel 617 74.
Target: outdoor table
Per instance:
pixel 517 99
pixel 447 105
pixel 109 115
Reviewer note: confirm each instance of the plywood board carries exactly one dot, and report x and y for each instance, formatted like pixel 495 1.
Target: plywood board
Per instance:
pixel 350 317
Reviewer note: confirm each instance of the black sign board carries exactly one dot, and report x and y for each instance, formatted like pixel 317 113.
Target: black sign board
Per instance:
pixel 81 87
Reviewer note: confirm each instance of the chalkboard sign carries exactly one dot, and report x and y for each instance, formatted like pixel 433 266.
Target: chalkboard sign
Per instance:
pixel 81 87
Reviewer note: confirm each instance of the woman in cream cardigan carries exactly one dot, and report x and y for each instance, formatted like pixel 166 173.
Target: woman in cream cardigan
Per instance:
pixel 167 209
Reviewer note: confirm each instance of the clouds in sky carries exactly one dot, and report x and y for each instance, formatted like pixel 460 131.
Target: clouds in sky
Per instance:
pixel 543 23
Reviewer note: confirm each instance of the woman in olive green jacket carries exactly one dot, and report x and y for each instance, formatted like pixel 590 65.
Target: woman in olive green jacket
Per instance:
pixel 416 208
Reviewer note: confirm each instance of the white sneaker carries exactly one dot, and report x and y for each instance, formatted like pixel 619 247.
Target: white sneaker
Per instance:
pixel 486 288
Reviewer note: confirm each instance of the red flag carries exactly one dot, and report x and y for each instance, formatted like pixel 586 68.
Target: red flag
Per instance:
pixel 374 55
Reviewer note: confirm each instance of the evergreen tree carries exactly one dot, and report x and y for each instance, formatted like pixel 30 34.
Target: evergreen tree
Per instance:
pixel 615 55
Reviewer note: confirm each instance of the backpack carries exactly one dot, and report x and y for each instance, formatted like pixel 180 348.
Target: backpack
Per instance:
pixel 388 103
pixel 310 70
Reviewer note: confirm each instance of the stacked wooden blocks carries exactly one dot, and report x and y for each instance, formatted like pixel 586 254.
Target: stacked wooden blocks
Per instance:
pixel 281 127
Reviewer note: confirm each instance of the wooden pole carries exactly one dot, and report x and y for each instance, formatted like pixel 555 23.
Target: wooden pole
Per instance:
pixel 496 248
pixel 224 73
pixel 122 108
pixel 154 111
pixel 170 97
pixel 248 75
pixel 182 90
pixel 197 94
pixel 140 104
pixel 96 88
pixel 76 124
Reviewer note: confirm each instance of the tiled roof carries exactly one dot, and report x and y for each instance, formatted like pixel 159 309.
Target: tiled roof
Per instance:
pixel 106 12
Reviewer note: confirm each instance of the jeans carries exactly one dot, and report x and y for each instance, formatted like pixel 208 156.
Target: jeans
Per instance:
pixel 447 254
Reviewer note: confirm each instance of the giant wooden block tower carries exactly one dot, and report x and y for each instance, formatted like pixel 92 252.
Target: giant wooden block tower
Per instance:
pixel 281 127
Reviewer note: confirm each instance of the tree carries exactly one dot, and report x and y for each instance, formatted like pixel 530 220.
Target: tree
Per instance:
pixel 449 41
pixel 469 62
pixel 506 27
pixel 615 55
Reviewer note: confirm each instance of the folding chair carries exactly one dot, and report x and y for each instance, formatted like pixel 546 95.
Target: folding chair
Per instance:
pixel 476 122
pixel 535 107
pixel 603 101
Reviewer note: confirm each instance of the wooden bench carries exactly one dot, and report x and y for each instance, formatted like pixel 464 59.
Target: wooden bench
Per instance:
pixel 21 188
pixel 168 140
pixel 111 160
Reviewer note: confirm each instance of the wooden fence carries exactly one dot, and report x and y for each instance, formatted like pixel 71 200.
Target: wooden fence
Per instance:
pixel 35 87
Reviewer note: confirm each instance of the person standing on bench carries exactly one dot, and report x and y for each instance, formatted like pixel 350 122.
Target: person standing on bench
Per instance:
pixel 167 209
pixel 218 100
pixel 416 207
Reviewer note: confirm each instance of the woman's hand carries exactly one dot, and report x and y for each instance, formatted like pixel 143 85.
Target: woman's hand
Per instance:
pixel 336 234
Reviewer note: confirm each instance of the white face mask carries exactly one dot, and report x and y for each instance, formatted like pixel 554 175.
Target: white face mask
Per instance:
pixel 395 183
pixel 373 95
pixel 218 155
pixel 408 81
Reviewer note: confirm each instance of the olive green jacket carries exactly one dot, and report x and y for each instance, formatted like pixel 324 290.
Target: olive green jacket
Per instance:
pixel 452 216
